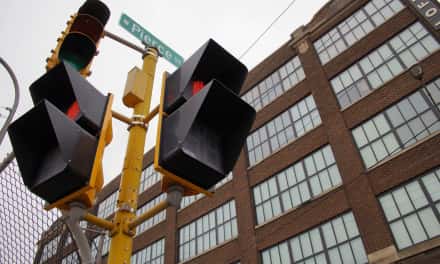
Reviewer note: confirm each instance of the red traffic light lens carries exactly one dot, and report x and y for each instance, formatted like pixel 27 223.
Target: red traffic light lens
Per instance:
pixel 73 111
pixel 197 86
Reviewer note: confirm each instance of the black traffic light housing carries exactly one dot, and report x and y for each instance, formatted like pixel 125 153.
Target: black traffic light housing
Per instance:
pixel 206 122
pixel 63 86
pixel 54 154
pixel 211 61
pixel 202 139
pixel 79 45
pixel 58 152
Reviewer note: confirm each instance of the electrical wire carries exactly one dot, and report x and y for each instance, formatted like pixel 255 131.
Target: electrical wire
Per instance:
pixel 267 29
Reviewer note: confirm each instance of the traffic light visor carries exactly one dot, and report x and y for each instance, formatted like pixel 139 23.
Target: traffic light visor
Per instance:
pixel 209 62
pixel 53 152
pixel 96 9
pixel 63 86
pixel 196 140
pixel 79 46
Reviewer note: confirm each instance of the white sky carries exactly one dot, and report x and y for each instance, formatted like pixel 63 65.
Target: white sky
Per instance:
pixel 29 30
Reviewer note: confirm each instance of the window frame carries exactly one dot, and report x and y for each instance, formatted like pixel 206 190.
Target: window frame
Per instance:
pixel 288 174
pixel 160 243
pixel 325 248
pixel 394 129
pixel 282 129
pixel 430 204
pixel 328 37
pixel 189 236
pixel 342 91
pixel 274 85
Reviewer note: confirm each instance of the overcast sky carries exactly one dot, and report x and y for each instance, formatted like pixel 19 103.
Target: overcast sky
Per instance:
pixel 29 30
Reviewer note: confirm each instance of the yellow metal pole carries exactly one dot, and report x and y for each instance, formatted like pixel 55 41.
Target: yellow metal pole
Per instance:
pixel 122 236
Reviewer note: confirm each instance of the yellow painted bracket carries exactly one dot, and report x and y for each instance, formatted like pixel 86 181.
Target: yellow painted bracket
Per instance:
pixel 169 178
pixel 87 194
pixel 148 214
pixel 101 222
pixel 53 60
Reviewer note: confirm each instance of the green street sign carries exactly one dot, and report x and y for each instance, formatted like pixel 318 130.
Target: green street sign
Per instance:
pixel 143 35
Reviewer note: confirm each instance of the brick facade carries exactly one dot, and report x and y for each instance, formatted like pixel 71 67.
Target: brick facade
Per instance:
pixel 360 187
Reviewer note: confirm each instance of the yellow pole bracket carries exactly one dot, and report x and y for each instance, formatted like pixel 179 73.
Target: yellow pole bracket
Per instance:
pixel 93 219
pixel 121 117
pixel 148 214
pixel 151 115
pixel 129 121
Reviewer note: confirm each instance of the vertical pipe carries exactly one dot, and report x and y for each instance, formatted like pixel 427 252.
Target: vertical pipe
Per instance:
pixel 121 244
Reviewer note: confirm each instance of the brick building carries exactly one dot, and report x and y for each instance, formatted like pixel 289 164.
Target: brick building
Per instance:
pixel 341 165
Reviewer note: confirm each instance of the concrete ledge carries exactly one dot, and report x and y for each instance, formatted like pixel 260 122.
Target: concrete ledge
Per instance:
pixel 383 256
pixel 391 255
pixel 419 248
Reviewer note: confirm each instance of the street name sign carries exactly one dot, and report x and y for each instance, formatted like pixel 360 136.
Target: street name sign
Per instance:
pixel 145 36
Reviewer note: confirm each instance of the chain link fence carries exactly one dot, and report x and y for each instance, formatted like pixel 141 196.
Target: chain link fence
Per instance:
pixel 30 234
pixel 24 224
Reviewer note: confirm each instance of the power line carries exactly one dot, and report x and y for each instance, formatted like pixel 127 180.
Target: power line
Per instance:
pixel 267 29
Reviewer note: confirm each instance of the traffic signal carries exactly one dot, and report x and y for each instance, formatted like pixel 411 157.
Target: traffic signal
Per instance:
pixel 78 44
pixel 59 143
pixel 53 60
pixel 205 122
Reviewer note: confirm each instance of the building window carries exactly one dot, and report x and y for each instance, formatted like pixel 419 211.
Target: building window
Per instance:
pixel 336 241
pixel 50 249
pixel 413 210
pixel 355 27
pixel 208 231
pixel 275 84
pixel 383 64
pixel 187 200
pixel 297 184
pixel 72 258
pixel 293 123
pixel 157 218
pixel 433 92
pixel 153 253
pixel 108 206
pixel 105 245
pixel 400 126
pixel 148 178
